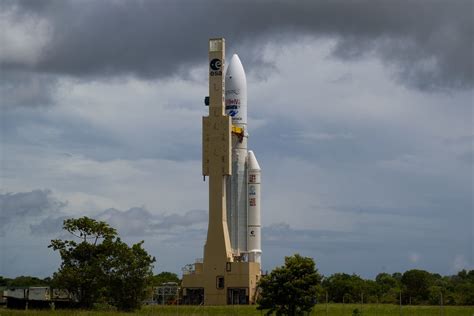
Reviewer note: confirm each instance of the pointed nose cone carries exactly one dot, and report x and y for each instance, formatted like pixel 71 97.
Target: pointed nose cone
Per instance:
pixel 236 91
pixel 252 162
pixel 235 74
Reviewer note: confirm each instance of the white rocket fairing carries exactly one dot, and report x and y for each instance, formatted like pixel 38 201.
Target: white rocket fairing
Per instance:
pixel 243 209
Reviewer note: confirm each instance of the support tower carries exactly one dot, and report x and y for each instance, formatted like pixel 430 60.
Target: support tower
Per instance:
pixel 220 278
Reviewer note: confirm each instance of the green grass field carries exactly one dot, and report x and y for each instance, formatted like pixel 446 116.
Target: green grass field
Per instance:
pixel 332 310
pixel 320 310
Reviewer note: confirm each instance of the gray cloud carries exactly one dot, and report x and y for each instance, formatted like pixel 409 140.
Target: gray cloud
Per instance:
pixel 132 222
pixel 365 166
pixel 283 235
pixel 24 205
pixel 428 44
pixel 136 221
pixel 467 157
pixel 20 88
pixel 189 218
pixel 48 226
pixel 461 140
pixel 365 247
pixel 390 241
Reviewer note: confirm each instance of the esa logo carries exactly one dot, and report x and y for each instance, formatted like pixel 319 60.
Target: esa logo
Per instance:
pixel 216 65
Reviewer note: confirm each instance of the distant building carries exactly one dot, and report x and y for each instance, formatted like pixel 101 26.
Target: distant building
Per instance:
pixel 37 297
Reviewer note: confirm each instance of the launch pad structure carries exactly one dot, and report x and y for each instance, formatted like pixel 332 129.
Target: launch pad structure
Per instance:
pixel 226 275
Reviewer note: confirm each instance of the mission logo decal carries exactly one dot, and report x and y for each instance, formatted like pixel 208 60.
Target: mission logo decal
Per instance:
pixel 215 65
pixel 232 108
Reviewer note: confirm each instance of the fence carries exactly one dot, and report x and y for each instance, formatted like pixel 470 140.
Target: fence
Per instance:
pixel 360 306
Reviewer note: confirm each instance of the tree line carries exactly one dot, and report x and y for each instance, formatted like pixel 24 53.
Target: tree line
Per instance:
pixel 99 268
pixel 415 287
pixel 295 287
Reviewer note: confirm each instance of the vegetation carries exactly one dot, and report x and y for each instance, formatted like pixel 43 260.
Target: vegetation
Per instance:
pixel 290 289
pixel 165 277
pixel 344 288
pixel 102 271
pixel 416 287
pixel 24 281
pixel 101 268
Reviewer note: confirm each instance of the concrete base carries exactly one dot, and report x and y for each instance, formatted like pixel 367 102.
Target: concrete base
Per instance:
pixel 235 284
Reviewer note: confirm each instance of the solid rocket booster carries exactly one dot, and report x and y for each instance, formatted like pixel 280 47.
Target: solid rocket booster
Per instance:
pixel 238 208
pixel 254 225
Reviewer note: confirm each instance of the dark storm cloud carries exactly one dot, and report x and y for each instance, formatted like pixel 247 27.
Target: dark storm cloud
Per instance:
pixel 24 205
pixel 429 43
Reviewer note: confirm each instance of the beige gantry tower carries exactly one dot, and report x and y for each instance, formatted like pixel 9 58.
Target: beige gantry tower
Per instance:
pixel 220 278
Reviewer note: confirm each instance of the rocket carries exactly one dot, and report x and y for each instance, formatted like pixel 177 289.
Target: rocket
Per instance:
pixel 243 186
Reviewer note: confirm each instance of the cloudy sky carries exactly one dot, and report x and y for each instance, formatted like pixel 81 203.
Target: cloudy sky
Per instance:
pixel 360 113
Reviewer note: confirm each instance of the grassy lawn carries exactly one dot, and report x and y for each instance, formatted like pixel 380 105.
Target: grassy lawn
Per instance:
pixel 319 310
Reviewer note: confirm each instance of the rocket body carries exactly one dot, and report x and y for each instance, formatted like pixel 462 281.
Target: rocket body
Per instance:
pixel 238 206
pixel 236 108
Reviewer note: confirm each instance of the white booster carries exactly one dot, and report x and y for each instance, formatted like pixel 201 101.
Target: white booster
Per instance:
pixel 254 243
pixel 236 107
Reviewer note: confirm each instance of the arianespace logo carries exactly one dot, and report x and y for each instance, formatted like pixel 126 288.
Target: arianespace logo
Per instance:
pixel 215 65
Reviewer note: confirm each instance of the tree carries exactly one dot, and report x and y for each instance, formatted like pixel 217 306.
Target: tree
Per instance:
pixel 386 282
pixel 462 286
pixel 129 272
pixel 290 289
pixel 343 287
pixel 389 288
pixel 417 284
pixel 101 268
pixel 24 281
pixel 4 281
pixel 165 277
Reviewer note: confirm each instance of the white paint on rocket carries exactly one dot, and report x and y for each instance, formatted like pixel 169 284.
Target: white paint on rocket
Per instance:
pixel 243 219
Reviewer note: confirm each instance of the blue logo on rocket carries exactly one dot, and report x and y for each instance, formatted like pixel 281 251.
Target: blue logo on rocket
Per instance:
pixel 233 113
